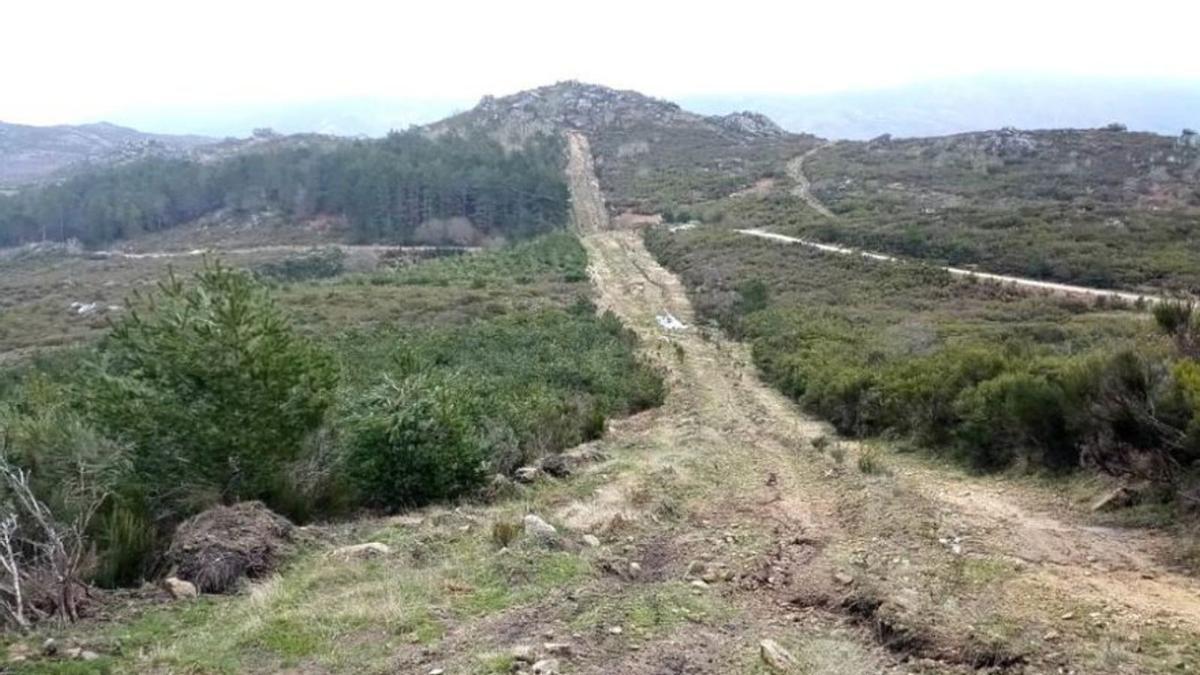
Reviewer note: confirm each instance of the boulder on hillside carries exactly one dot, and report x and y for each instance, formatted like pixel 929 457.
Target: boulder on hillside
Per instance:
pixel 217 549
pixel 179 589
pixel 540 531
pixel 555 465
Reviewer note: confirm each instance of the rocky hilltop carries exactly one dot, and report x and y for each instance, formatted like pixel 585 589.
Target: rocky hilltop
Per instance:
pixel 30 153
pixel 594 109
pixel 650 154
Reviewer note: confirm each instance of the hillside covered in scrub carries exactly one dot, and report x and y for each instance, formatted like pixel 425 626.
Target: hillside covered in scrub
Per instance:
pixel 649 153
pixel 1102 207
pixel 211 390
pixel 31 154
pixel 604 423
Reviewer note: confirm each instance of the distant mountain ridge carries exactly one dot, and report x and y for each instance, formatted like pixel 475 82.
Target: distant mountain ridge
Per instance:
pixel 631 131
pixel 945 107
pixel 31 153
pixel 931 108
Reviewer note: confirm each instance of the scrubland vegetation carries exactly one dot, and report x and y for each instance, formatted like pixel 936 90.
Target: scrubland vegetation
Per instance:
pixel 209 390
pixel 994 377
pixel 651 169
pixel 723 533
pixel 1102 208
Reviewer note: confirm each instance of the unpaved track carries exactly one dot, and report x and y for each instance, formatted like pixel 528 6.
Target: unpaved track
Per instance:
pixel 948 554
pixel 1020 282
pixel 587 203
pixel 803 190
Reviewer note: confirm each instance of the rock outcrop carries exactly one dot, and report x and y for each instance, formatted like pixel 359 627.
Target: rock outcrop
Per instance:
pixel 591 108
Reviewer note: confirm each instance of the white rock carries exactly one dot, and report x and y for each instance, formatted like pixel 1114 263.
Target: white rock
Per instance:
pixel 527 474
pixel 777 658
pixel 546 667
pixel 179 589
pixel 669 322
pixel 591 540
pixel 361 551
pixel 539 530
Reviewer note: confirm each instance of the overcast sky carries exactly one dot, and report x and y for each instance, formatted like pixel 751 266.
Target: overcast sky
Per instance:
pixel 80 61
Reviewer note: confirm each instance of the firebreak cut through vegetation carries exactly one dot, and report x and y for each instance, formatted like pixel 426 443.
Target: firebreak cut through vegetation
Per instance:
pixel 724 531
pixel 724 519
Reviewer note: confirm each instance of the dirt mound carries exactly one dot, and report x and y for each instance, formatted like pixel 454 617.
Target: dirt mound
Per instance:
pixel 218 548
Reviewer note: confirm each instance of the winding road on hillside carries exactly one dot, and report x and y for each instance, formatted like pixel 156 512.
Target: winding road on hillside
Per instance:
pixel 802 189
pixel 1020 282
pixel 913 569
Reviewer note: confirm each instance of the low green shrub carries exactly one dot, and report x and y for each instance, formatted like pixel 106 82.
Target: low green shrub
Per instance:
pixel 557 256
pixel 127 541
pixel 316 263
pixel 1012 414
pixel 870 464
pixel 411 442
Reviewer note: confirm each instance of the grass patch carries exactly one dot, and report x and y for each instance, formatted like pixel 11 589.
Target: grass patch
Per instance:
pixel 650 610
pixel 869 463
pixel 552 257
pixel 346 616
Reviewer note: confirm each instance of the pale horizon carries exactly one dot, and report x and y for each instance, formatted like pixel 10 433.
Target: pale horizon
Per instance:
pixel 133 56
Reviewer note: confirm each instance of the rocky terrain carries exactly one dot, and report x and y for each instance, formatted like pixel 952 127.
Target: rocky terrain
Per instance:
pixel 30 153
pixel 593 108
pixel 650 154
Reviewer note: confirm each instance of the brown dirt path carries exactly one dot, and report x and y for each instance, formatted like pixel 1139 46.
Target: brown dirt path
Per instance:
pixel 957 572
pixel 803 188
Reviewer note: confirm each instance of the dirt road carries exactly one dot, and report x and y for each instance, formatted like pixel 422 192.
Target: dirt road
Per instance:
pixel 909 568
pixel 587 203
pixel 803 188
pixel 1020 282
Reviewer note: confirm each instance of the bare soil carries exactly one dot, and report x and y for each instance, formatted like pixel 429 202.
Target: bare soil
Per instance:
pixel 909 569
pixel 802 187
